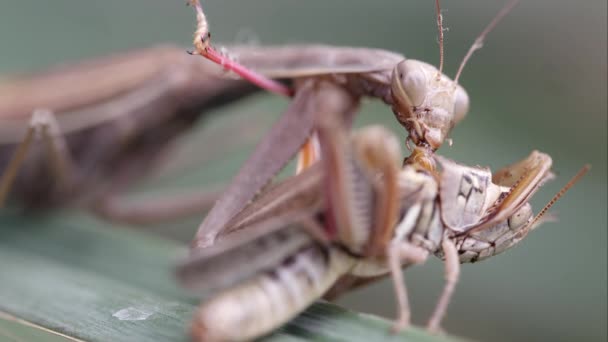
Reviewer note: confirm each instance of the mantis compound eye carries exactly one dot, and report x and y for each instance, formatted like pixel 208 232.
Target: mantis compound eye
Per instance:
pixel 409 84
pixel 461 104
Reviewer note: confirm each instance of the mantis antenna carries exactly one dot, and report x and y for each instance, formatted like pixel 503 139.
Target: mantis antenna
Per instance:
pixel 440 28
pixel 478 44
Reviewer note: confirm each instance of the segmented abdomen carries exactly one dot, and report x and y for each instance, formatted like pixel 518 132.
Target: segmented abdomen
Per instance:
pixel 272 298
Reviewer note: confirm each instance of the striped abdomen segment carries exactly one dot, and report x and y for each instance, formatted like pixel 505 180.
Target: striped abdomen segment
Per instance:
pixel 272 298
pixel 420 220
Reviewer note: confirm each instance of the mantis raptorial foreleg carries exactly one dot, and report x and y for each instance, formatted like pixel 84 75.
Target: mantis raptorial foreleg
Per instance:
pixel 43 128
pixel 313 97
pixel 424 100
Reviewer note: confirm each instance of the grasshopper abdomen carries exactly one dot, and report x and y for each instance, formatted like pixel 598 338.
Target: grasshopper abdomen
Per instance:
pixel 272 297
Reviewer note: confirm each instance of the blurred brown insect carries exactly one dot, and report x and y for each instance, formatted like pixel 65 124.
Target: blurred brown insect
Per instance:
pixel 356 215
pixel 100 125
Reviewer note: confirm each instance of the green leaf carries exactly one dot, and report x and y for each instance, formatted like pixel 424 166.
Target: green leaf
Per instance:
pixel 13 329
pixel 69 276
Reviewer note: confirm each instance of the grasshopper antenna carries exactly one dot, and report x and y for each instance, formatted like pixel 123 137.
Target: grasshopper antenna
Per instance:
pixel 440 28
pixel 478 44
pixel 558 195
pixel 202 44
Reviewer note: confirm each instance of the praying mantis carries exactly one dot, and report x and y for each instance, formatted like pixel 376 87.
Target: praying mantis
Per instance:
pixel 99 135
pixel 425 101
pixel 303 103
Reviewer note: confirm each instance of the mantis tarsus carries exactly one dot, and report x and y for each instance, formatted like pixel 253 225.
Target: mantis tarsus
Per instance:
pixel 374 218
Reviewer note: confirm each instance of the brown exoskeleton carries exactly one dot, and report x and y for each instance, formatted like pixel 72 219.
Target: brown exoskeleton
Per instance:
pixel 357 214
pixel 100 125
pixel 104 122
pixel 425 101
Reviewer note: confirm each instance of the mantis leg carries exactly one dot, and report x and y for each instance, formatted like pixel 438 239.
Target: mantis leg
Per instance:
pixel 43 126
pixel 313 97
pixel 351 170
pixel 452 273
pixel 154 209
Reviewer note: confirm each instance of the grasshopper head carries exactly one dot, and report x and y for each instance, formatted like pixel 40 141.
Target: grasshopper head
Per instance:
pixel 476 245
pixel 426 102
pixel 480 245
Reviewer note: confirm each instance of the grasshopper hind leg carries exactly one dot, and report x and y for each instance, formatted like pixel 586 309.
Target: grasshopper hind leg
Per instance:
pixel 43 127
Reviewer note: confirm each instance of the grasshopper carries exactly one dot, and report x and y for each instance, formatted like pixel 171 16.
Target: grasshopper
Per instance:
pixel 424 100
pixel 357 214
pixel 100 125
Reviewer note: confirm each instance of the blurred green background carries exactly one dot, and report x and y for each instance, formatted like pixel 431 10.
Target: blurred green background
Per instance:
pixel 539 83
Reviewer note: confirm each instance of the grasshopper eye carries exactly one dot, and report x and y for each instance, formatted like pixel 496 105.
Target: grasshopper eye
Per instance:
pixel 409 83
pixel 521 218
pixel 461 104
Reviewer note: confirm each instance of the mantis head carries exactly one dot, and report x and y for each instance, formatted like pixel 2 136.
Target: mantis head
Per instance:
pixel 426 102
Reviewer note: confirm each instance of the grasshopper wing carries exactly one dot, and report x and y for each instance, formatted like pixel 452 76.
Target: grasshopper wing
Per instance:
pixel 531 174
